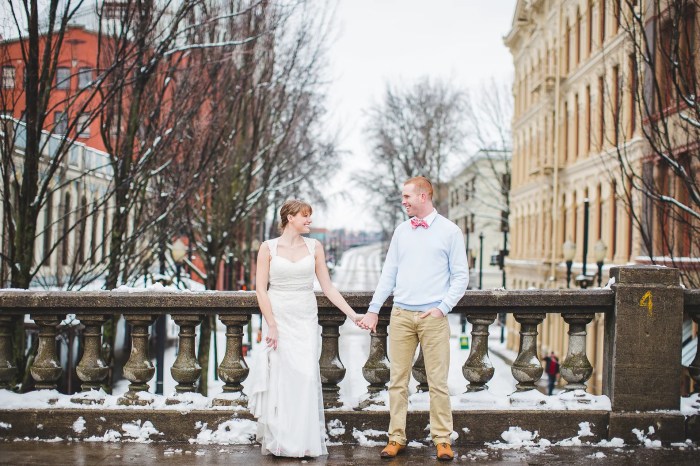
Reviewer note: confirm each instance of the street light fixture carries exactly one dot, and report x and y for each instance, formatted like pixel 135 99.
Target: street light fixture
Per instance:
pixel 569 253
pixel 178 251
pixel 601 251
pixel 481 260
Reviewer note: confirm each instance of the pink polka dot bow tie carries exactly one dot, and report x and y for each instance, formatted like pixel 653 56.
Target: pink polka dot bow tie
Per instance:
pixel 417 222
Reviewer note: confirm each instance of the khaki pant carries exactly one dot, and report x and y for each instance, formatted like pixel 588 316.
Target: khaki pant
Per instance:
pixel 406 330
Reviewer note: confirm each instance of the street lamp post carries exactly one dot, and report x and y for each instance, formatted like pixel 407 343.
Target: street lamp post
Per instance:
pixel 178 251
pixel 584 280
pixel 481 260
pixel 569 253
pixel 601 250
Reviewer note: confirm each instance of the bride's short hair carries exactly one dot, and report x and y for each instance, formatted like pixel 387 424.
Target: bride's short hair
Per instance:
pixel 293 207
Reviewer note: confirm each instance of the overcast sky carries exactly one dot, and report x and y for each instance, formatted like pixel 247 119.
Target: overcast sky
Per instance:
pixel 399 41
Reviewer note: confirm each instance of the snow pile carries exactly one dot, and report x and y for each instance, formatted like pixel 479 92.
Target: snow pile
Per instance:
pixel 79 425
pixel 109 436
pixel 597 455
pixel 233 432
pixel 140 433
pixel 644 438
pixel 415 444
pixel 614 442
pixel 364 437
pixel 515 437
pixel 5 425
pixel 380 401
pixel 585 429
pixel 582 400
pixel 483 399
pixel 336 428
pixel 690 405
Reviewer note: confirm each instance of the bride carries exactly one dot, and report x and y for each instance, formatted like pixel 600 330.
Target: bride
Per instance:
pixel 285 382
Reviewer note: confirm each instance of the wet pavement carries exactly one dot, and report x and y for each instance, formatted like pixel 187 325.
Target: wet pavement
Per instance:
pixel 86 453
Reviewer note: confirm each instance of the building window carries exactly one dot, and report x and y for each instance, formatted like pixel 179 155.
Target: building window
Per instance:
pixel 633 94
pixel 578 36
pixel 60 123
pixel 65 230
pixel 588 119
pixel 589 25
pixel 48 224
pixel 62 78
pixel 8 77
pixel 576 127
pixel 601 110
pixel 567 47
pixel 602 22
pixel 616 103
pixel 84 78
pixel 84 125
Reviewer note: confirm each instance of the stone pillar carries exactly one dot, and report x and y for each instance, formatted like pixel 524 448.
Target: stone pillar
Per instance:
pixel 332 369
pixel 376 369
pixel 46 369
pixel 642 368
pixel 527 368
pixel 8 369
pixel 419 372
pixel 577 369
pixel 138 369
pixel 478 369
pixel 693 368
pixel 92 369
pixel 186 369
pixel 233 369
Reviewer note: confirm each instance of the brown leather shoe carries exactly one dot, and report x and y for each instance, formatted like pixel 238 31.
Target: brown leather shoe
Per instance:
pixel 392 449
pixel 444 452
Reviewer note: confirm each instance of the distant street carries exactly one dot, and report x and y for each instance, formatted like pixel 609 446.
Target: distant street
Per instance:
pixel 359 268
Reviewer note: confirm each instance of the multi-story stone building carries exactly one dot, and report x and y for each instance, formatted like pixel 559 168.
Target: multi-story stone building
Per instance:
pixel 572 69
pixel 478 204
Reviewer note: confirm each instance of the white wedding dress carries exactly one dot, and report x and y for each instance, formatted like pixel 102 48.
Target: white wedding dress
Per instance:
pixel 284 387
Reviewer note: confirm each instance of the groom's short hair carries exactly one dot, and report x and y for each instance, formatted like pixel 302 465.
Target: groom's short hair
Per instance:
pixel 422 184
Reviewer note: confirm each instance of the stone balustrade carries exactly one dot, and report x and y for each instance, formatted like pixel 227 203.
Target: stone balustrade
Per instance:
pixel 642 360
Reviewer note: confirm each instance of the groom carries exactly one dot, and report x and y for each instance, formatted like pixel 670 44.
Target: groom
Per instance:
pixel 426 268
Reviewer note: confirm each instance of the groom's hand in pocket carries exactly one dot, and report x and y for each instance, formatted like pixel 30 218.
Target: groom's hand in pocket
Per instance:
pixel 434 312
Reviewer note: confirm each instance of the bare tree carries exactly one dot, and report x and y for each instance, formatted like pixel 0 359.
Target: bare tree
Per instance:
pixel 414 131
pixel 660 184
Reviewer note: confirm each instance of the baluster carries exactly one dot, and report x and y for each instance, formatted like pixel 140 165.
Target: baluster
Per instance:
pixel 527 368
pixel 577 369
pixel 92 369
pixel 419 374
pixel 186 369
pixel 233 369
pixel 478 369
pixel 332 369
pixel 376 369
pixel 138 369
pixel 694 367
pixel 46 369
pixel 8 369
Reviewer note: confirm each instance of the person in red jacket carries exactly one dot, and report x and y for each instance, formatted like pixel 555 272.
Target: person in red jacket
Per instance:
pixel 551 367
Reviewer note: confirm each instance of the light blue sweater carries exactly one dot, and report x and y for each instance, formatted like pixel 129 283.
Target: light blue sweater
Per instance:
pixel 425 268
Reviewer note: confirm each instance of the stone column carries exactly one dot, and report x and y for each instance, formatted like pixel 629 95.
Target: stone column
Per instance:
pixel 576 368
pixel 92 369
pixel 8 369
pixel 332 369
pixel 376 369
pixel 419 372
pixel 186 369
pixel 478 369
pixel 643 339
pixel 138 369
pixel 527 368
pixel 233 369
pixel 46 369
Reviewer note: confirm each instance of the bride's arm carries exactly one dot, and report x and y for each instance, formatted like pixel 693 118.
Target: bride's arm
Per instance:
pixel 261 279
pixel 327 286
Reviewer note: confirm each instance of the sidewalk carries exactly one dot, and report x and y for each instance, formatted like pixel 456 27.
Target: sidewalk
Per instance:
pixel 67 453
